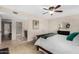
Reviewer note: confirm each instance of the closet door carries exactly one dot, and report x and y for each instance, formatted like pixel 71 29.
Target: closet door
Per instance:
pixel 19 30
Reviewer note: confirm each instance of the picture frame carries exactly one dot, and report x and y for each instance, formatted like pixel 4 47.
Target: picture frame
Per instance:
pixel 35 24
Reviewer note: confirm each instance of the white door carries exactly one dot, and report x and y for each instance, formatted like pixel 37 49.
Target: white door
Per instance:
pixel 19 30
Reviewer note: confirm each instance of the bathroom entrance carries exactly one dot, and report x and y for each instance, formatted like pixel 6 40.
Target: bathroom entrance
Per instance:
pixel 6 31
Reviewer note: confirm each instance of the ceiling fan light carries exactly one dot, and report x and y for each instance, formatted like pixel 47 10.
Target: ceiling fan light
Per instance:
pixel 51 12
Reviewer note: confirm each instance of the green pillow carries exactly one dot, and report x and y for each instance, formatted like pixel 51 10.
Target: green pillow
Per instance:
pixel 72 36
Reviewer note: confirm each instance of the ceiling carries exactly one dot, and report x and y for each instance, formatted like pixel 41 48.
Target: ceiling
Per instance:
pixel 37 10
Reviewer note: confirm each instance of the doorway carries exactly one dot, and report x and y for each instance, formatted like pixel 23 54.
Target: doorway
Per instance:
pixel 6 31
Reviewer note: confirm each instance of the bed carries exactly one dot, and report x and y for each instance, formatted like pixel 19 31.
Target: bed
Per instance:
pixel 57 44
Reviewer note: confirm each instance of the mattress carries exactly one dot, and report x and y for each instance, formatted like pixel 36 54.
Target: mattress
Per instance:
pixel 58 44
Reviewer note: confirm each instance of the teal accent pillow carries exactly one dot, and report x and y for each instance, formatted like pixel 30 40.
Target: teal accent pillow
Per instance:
pixel 72 36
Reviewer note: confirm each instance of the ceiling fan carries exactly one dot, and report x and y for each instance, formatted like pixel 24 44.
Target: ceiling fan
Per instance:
pixel 52 9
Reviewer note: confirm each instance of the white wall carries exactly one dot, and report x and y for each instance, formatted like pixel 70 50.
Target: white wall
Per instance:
pixel 73 20
pixel 28 25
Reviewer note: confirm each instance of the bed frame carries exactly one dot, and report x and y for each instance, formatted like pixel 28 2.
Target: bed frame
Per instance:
pixel 39 47
pixel 44 36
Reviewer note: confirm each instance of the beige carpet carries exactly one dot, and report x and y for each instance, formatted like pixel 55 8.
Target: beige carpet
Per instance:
pixel 20 47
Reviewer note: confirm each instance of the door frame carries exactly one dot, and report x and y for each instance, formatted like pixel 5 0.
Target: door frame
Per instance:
pixel 2 29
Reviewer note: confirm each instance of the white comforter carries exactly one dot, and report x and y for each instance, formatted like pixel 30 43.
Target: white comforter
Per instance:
pixel 58 44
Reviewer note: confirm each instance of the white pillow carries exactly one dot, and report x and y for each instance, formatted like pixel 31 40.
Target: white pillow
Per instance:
pixel 76 40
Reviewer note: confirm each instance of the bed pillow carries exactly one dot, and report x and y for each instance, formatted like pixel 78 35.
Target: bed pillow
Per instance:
pixel 72 36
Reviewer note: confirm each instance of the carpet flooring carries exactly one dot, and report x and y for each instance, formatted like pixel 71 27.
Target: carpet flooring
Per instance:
pixel 20 47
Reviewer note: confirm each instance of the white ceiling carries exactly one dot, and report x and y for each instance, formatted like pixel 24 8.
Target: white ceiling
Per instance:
pixel 37 10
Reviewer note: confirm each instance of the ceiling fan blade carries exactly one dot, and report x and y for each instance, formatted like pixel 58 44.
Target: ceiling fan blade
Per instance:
pixel 45 12
pixel 45 8
pixel 58 11
pixel 57 6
